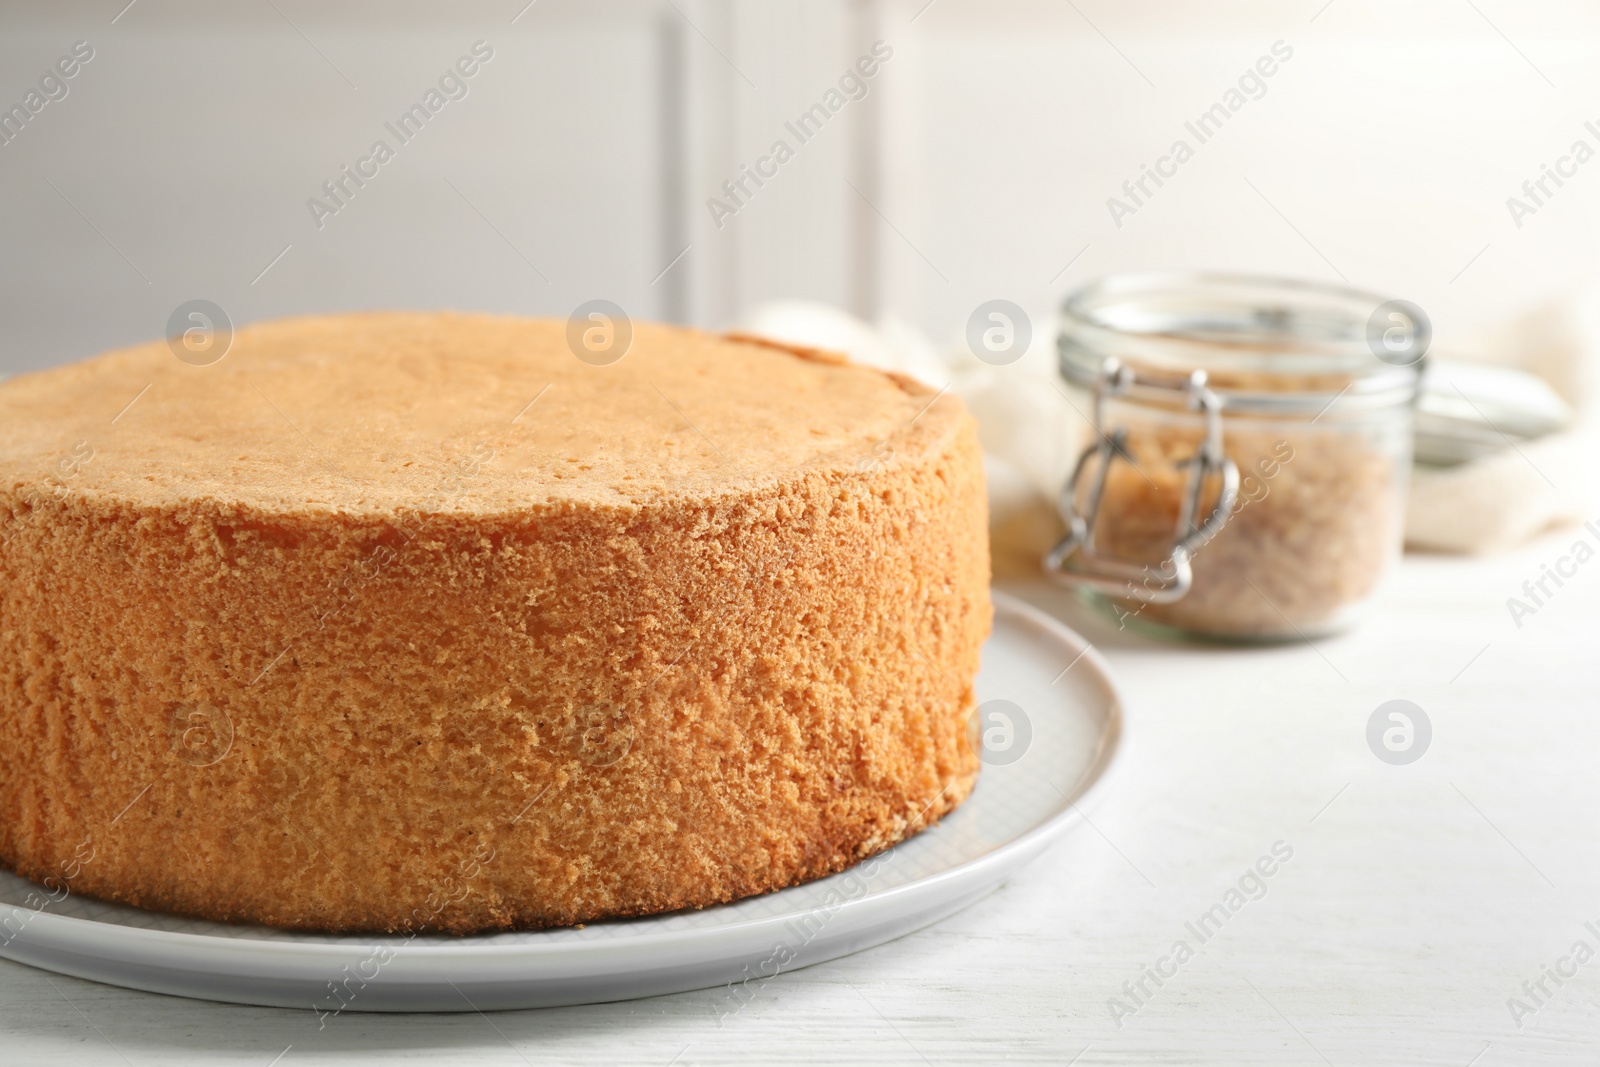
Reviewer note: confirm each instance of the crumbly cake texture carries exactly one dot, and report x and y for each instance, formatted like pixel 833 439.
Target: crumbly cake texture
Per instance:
pixel 403 621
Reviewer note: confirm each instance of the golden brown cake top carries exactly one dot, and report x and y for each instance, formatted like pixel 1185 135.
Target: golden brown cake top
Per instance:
pixel 372 412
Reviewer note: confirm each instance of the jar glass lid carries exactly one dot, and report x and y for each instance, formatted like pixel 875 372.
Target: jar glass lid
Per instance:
pixel 1269 345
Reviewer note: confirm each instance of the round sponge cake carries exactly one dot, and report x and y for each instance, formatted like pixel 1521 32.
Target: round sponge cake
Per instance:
pixel 403 621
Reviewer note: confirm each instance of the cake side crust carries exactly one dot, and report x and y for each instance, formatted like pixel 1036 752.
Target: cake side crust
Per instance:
pixel 468 722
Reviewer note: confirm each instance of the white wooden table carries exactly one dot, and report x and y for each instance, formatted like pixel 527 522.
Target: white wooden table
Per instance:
pixel 1418 899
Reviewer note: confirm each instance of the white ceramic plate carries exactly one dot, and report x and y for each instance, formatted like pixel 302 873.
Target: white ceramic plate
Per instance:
pixel 1053 724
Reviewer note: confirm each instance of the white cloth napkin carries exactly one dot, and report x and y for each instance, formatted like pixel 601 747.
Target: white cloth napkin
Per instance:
pixel 1504 499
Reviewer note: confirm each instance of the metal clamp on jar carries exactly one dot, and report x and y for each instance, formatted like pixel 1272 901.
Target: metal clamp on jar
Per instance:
pixel 1076 559
pixel 1251 443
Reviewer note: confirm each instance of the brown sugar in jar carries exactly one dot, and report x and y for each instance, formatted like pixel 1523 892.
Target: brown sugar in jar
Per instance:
pixel 1246 471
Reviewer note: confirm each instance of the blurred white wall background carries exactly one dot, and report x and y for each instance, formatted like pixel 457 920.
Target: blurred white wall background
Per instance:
pixel 978 164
